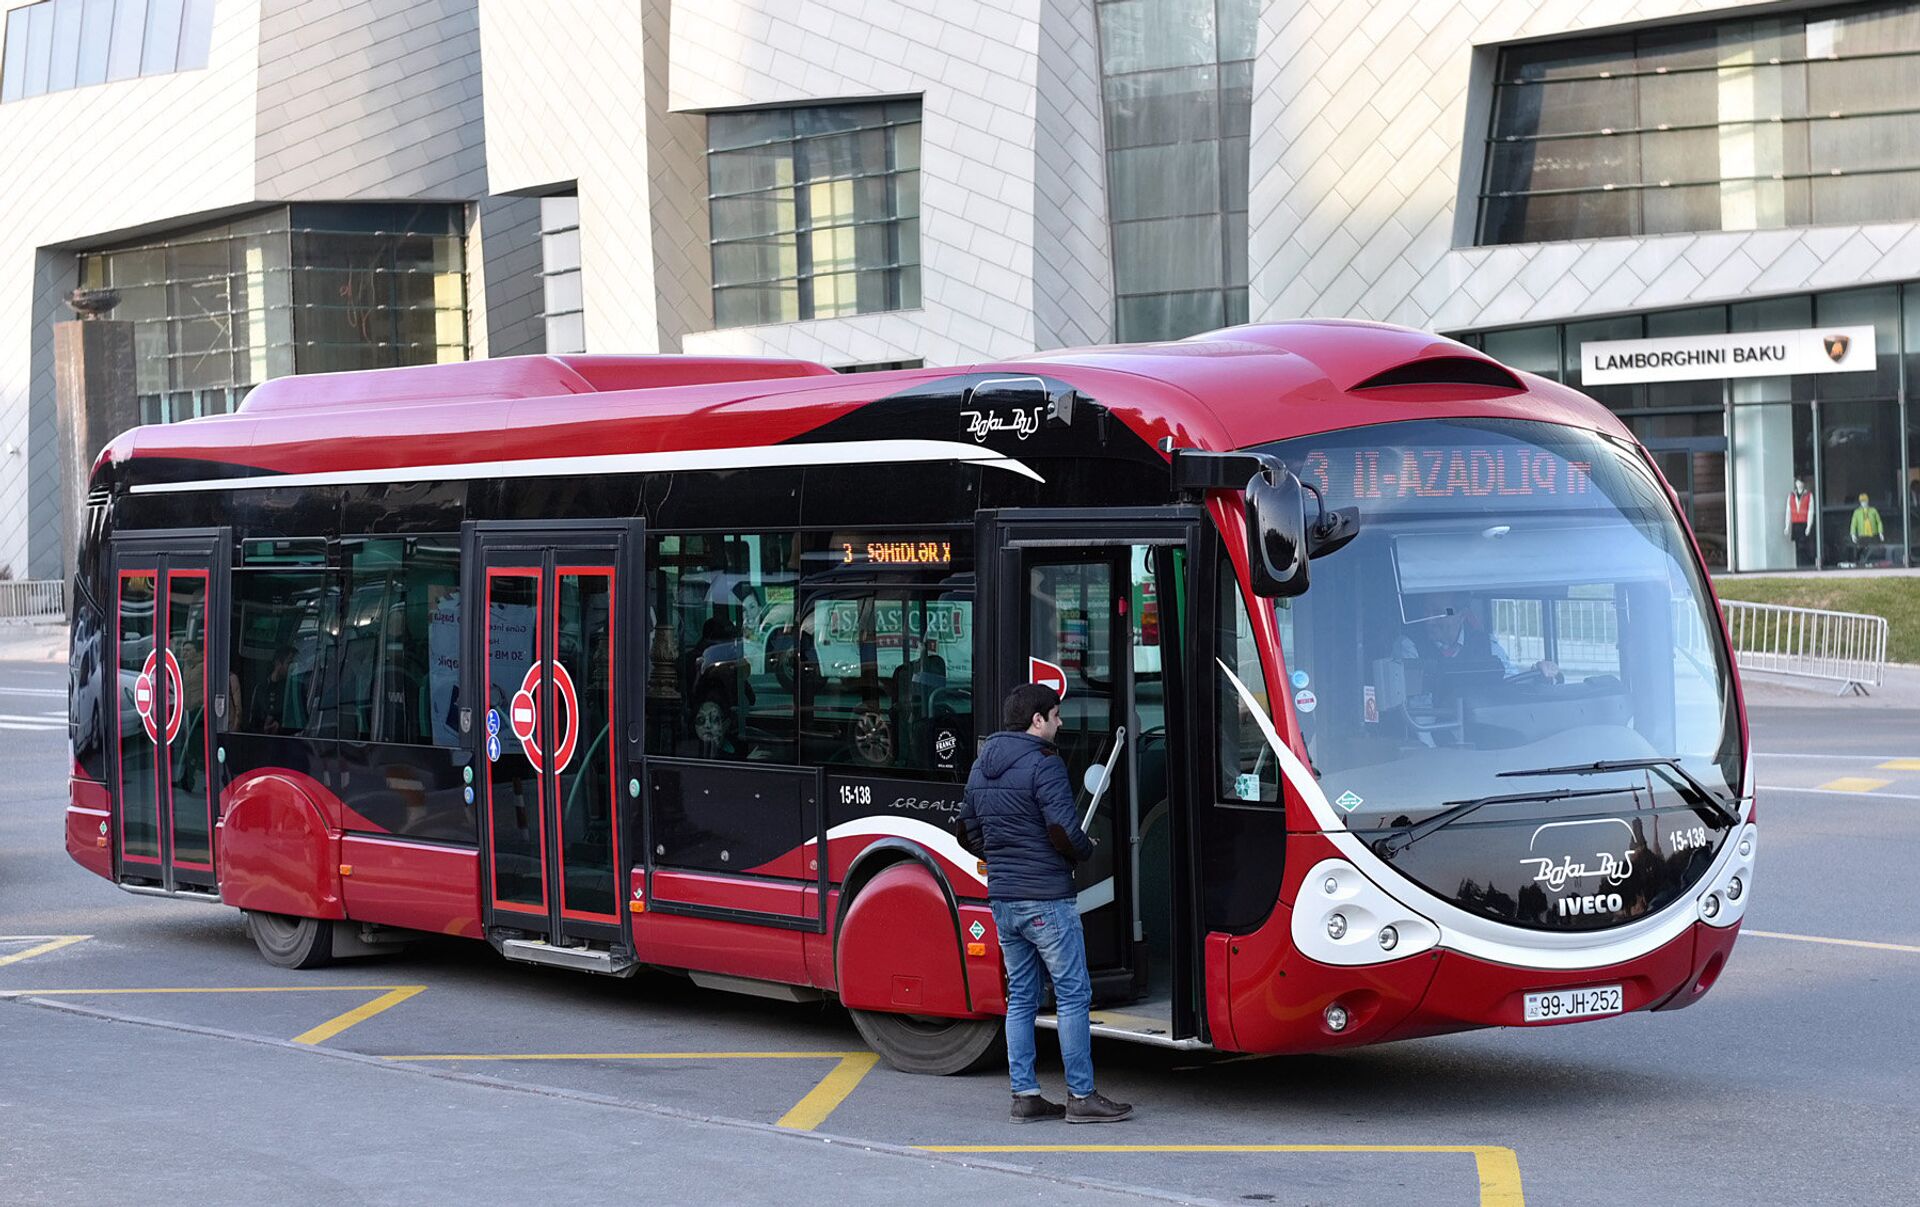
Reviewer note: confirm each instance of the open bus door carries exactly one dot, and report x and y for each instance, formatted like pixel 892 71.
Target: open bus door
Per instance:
pixel 1101 601
pixel 551 711
pixel 169 593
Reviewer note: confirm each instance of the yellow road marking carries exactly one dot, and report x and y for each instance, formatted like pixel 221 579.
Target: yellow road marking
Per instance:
pixel 1499 1168
pixel 1774 934
pixel 810 1112
pixel 359 1014
pixel 1898 765
pixel 52 943
pixel 1853 783
pixel 390 996
pixel 633 1056
pixel 223 989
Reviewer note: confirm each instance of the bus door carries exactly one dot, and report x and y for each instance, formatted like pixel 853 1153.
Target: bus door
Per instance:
pixel 170 649
pixel 1094 600
pixel 550 716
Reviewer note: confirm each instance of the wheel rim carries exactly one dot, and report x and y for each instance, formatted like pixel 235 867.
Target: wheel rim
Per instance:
pixel 278 932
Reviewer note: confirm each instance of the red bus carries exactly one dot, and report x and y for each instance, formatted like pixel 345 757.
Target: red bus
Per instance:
pixel 1419 711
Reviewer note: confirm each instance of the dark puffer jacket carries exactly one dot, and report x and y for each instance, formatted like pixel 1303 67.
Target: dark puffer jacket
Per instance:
pixel 1019 817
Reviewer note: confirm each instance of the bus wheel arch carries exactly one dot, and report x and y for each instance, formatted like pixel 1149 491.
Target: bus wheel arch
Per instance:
pixel 907 990
pixel 277 854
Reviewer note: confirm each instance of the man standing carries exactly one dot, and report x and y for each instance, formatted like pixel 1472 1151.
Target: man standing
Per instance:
pixel 1018 817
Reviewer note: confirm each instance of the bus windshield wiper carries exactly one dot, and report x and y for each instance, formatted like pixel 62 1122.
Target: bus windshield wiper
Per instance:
pixel 1674 765
pixel 1454 810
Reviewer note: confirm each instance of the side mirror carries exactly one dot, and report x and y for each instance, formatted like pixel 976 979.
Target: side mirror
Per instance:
pixel 1277 533
pixel 1094 779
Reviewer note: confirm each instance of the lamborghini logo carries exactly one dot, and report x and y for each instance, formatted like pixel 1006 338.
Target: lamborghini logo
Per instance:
pixel 1837 346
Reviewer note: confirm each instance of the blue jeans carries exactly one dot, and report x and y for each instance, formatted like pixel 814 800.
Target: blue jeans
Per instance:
pixel 1033 933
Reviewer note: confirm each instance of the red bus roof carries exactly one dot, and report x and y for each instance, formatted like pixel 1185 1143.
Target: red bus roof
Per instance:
pixel 1227 389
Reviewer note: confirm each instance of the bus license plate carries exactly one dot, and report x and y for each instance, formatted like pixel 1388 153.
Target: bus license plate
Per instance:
pixel 1573 1003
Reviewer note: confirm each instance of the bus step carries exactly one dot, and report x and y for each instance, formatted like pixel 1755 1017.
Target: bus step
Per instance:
pixel 155 890
pixel 580 959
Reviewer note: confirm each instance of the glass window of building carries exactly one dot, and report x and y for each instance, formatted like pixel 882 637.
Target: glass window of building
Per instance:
pixel 1774 472
pixel 1779 120
pixel 56 45
pixel 216 310
pixel 212 312
pixel 1176 78
pixel 377 286
pixel 560 273
pixel 815 211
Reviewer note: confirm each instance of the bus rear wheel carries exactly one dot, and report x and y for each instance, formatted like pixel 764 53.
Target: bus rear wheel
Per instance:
pixel 914 1043
pixel 290 942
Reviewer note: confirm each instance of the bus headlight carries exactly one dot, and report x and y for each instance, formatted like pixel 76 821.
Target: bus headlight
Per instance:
pixel 1710 908
pixel 1735 888
pixel 1344 919
pixel 1336 1017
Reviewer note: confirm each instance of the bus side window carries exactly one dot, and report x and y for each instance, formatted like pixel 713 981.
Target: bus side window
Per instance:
pixel 724 649
pixel 1249 773
pixel 887 679
pixel 280 651
pixel 398 652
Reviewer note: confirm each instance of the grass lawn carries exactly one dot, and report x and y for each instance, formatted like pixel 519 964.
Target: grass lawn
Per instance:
pixel 1896 598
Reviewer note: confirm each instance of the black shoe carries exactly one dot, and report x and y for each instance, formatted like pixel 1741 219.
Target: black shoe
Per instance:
pixel 1032 1108
pixel 1097 1108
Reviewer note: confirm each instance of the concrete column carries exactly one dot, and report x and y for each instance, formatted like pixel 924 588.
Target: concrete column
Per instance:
pixel 95 400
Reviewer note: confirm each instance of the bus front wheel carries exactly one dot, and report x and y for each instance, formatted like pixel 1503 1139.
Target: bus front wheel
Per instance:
pixel 914 1043
pixel 290 942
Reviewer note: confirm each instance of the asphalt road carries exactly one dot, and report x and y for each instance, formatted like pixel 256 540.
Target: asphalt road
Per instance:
pixel 1791 1082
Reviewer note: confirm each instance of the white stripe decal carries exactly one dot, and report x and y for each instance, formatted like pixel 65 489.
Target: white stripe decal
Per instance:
pixel 852 452
pixel 926 834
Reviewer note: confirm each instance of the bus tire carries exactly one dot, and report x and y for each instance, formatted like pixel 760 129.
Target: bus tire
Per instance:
pixel 289 942
pixel 939 1047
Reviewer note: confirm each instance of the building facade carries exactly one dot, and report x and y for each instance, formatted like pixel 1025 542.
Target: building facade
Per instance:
pixel 290 186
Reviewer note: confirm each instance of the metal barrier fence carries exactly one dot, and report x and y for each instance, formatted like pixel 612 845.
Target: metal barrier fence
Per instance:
pixel 1841 647
pixel 33 599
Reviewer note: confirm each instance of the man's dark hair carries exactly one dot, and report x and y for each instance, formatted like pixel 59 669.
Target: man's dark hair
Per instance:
pixel 1026 700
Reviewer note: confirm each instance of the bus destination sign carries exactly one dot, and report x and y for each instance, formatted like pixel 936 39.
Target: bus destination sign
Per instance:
pixel 1363 475
pixel 890 551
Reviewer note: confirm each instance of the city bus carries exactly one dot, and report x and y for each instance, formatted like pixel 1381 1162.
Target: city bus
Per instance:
pixel 1391 678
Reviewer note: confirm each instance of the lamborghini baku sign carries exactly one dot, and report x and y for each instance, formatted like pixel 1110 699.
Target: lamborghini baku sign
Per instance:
pixel 1739 354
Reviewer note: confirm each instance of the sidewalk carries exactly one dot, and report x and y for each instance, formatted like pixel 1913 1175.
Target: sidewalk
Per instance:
pixel 22 641
pixel 244 1121
pixel 1899 688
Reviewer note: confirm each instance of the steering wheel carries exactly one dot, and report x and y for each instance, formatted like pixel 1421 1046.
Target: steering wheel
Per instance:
pixel 1532 674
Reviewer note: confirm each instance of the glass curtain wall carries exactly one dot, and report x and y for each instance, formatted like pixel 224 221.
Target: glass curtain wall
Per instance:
pixel 60 44
pixel 212 312
pixel 218 309
pixel 815 211
pixel 1792 119
pixel 1741 451
pixel 377 286
pixel 1177 82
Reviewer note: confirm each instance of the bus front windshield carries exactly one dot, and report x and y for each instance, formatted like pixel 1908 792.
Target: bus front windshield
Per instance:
pixel 1521 602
